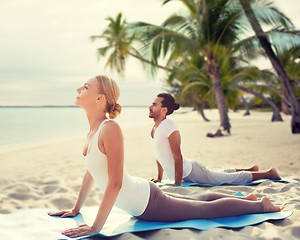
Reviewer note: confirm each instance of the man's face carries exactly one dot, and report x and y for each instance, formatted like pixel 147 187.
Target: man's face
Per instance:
pixel 155 110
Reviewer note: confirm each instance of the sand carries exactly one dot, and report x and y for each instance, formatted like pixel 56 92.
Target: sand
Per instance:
pixel 49 175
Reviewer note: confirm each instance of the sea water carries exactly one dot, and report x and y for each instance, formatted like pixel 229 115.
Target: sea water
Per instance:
pixel 25 126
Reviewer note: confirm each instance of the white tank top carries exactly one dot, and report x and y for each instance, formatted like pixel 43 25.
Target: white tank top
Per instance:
pixel 135 192
pixel 163 152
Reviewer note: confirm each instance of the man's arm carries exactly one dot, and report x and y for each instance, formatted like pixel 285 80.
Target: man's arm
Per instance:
pixel 175 142
pixel 160 172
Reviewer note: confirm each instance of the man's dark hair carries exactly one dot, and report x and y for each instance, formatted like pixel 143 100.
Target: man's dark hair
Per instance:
pixel 168 102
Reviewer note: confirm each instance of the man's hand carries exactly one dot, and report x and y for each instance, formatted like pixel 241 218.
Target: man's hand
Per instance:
pixel 155 180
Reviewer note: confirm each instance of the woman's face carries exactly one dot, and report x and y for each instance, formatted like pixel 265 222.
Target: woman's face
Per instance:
pixel 88 94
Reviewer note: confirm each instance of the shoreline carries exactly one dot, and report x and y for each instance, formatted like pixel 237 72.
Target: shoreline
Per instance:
pixel 37 144
pixel 192 138
pixel 26 127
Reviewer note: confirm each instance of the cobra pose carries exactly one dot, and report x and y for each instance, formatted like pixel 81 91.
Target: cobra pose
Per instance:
pixel 166 140
pixel 104 158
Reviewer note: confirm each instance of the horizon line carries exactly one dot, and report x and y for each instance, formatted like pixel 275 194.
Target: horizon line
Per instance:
pixel 56 106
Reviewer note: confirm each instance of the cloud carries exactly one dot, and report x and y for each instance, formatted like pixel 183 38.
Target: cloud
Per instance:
pixel 46 52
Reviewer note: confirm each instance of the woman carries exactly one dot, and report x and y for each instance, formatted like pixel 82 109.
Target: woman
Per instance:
pixel 104 157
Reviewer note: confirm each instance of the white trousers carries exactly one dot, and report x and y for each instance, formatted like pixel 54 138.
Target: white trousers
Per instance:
pixel 200 174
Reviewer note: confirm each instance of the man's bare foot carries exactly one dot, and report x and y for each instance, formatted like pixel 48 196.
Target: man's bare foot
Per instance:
pixel 255 168
pixel 268 206
pixel 274 174
pixel 251 197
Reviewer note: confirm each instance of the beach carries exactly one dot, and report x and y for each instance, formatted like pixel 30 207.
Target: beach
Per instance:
pixel 49 175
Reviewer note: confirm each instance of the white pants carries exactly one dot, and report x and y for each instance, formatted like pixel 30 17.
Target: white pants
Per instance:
pixel 200 174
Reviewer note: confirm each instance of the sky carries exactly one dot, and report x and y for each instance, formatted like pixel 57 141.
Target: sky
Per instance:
pixel 46 52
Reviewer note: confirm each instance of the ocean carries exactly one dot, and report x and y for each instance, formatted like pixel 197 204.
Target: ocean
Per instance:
pixel 26 126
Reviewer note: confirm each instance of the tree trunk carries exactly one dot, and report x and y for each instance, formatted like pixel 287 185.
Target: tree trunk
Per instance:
pixel 246 106
pixel 276 113
pixel 214 72
pixel 201 107
pixel 295 106
pixel 285 106
pixel 286 109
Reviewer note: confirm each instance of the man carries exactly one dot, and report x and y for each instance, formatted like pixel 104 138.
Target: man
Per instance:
pixel 166 142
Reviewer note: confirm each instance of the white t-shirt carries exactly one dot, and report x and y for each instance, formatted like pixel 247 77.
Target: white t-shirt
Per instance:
pixel 163 152
pixel 135 192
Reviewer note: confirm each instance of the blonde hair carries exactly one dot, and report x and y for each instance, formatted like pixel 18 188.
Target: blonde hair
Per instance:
pixel 111 91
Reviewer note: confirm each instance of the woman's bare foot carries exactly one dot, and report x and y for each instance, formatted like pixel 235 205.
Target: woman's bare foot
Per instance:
pixel 268 206
pixel 274 174
pixel 251 197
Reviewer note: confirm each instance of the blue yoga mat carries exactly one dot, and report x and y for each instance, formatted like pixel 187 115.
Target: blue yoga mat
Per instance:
pixel 188 184
pixel 36 224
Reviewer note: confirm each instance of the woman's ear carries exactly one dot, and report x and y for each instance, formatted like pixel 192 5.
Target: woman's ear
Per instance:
pixel 101 97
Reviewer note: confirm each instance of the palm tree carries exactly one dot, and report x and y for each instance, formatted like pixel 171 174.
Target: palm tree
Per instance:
pixel 194 77
pixel 211 29
pixel 266 45
pixel 259 83
pixel 187 73
pixel 209 26
pixel 276 112
pixel 121 45
pixel 247 106
pixel 290 61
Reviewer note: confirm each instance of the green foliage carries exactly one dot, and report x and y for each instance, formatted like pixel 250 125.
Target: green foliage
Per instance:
pixel 119 44
pixel 208 31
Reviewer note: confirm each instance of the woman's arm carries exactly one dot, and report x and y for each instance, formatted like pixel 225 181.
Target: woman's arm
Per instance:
pixel 114 149
pixel 175 140
pixel 85 188
pixel 111 144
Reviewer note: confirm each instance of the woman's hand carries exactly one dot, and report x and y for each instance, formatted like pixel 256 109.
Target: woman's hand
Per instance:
pixel 82 230
pixel 63 214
